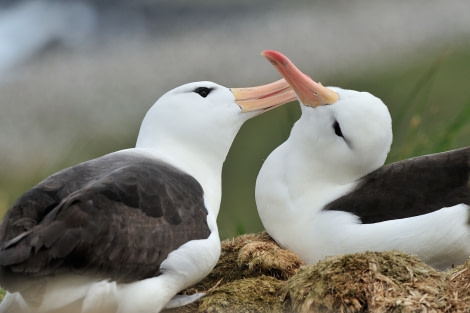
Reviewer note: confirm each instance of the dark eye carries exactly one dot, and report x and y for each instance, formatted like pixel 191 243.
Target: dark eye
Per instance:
pixel 203 91
pixel 338 131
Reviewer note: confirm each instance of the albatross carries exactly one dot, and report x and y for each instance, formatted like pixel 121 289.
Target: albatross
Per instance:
pixel 325 191
pixel 127 231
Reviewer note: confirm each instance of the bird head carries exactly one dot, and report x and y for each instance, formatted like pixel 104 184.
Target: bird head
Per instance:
pixel 205 115
pixel 344 129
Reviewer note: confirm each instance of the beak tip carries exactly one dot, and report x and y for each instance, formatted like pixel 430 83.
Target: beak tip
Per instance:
pixel 308 91
pixel 267 52
pixel 273 54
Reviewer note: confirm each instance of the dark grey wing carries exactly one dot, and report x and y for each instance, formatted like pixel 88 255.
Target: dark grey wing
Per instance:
pixel 118 219
pixel 409 188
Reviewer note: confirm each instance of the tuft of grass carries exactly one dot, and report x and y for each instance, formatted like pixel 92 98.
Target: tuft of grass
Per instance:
pixel 370 281
pixel 436 111
pixel 455 127
pixel 409 117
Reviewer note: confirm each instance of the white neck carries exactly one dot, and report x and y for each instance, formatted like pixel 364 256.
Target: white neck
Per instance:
pixel 202 158
pixel 299 191
pixel 306 186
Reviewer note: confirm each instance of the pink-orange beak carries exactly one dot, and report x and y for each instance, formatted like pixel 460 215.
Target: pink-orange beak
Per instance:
pixel 265 97
pixel 308 91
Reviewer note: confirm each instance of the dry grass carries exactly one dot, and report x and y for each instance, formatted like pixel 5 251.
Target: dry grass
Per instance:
pixel 255 275
pixel 256 294
pixel 251 273
pixel 371 281
pixel 458 286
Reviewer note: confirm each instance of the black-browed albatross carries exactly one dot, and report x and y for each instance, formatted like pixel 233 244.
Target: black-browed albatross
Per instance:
pixel 325 191
pixel 127 231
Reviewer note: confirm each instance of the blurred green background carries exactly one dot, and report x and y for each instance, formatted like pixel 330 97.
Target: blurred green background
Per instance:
pixel 65 103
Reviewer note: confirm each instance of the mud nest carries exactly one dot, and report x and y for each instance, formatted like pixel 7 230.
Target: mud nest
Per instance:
pixel 255 275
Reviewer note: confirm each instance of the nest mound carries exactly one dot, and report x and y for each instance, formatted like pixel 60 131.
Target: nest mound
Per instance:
pixel 252 269
pixel 255 275
pixel 250 295
pixel 369 282
pixel 251 255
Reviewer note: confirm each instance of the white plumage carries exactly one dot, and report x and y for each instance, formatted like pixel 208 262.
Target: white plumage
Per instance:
pixel 325 191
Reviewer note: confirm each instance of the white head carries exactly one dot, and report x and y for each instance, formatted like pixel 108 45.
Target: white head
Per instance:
pixel 346 131
pixel 205 116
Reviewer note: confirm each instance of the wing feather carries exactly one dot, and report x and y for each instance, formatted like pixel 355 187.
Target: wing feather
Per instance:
pixel 117 217
pixel 410 188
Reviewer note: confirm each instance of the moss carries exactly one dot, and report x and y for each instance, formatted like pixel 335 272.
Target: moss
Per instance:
pixel 255 275
pixel 258 294
pixel 250 255
pixel 246 257
pixel 261 257
pixel 369 282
